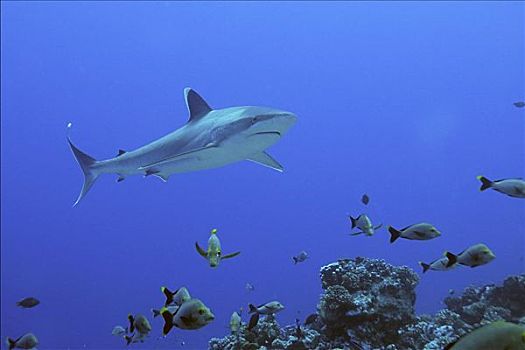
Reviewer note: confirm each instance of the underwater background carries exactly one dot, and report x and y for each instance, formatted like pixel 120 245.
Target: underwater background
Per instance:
pixel 405 101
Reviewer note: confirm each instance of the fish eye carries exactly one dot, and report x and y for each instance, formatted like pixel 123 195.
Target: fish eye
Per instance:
pixel 218 253
pixel 201 311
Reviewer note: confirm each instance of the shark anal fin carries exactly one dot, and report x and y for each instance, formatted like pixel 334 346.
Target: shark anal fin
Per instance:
pixel 265 159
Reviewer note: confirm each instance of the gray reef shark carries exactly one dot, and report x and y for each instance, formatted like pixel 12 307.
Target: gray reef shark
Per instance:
pixel 211 138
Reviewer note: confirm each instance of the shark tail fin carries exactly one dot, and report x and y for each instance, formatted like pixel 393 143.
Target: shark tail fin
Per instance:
pixel 86 164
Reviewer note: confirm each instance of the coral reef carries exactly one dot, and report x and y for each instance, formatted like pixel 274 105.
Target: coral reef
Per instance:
pixel 479 306
pixel 368 304
pixel 367 296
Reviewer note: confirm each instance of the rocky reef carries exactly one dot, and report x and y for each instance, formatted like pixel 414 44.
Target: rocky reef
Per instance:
pixel 368 304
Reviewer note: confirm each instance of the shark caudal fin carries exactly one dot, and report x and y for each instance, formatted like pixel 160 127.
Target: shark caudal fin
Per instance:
pixel 86 164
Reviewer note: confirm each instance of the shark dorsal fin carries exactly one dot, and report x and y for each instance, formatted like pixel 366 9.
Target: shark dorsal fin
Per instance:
pixel 197 107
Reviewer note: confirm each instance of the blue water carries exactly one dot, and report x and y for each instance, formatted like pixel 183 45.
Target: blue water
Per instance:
pixel 407 102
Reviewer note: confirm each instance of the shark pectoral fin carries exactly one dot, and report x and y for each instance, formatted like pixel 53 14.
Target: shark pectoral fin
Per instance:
pixel 120 178
pixel 378 227
pixel 228 256
pixel 356 233
pixel 163 177
pixel 201 251
pixel 265 159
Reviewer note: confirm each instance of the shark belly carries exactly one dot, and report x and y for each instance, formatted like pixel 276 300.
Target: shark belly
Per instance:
pixel 227 152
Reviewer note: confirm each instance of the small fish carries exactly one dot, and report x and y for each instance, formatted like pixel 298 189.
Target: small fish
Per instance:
pixel 139 323
pixel 418 232
pixel 119 331
pixel 451 291
pixel 214 253
pixel 249 287
pixel 440 264
pixel 235 322
pixel 27 341
pixel 178 297
pixel 302 256
pixel 365 199
pixel 269 308
pixel 363 223
pixel 499 335
pixel 192 314
pixel 511 187
pixel 476 255
pixel 519 104
pixel 28 302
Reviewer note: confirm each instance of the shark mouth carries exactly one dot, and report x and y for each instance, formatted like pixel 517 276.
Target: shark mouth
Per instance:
pixel 267 133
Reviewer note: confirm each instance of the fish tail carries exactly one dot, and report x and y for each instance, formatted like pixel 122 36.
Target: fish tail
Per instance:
pixel 87 165
pixel 485 183
pixel 294 260
pixel 452 259
pixel 11 343
pixel 253 321
pixel 354 221
pixel 128 339
pixel 252 308
pixel 168 320
pixel 169 295
pixel 424 266
pixel 155 312
pixel 394 234
pixel 131 323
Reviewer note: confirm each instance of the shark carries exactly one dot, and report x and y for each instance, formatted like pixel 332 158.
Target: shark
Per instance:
pixel 211 138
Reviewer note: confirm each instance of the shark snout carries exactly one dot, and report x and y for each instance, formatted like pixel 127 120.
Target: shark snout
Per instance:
pixel 287 118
